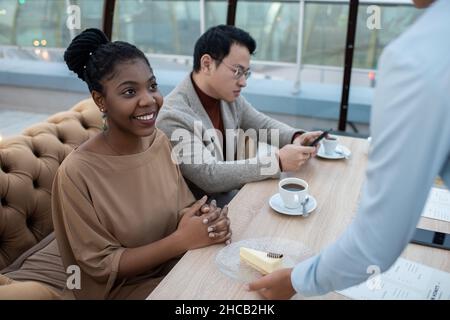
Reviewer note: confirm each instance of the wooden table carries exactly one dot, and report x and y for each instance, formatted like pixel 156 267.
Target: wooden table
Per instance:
pixel 336 185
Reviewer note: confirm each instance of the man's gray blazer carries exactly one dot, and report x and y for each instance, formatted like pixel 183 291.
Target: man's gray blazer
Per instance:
pixel 197 146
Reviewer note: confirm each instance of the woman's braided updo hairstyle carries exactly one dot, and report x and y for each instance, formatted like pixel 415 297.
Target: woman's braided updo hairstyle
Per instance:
pixel 92 56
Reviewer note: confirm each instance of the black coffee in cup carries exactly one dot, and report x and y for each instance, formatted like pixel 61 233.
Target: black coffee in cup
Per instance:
pixel 293 187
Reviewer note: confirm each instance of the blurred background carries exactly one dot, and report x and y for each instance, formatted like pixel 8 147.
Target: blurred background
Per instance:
pixel 297 68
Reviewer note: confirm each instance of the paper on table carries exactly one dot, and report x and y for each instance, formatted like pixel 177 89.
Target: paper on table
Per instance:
pixel 405 280
pixel 438 205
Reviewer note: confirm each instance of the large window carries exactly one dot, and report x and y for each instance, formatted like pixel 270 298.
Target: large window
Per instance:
pixel 170 28
pixel 325 29
pixel 274 25
pixel 164 27
pixel 215 12
pixel 369 44
pixel 33 23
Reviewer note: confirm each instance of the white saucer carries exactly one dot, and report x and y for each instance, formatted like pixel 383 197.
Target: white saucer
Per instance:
pixel 276 204
pixel 345 153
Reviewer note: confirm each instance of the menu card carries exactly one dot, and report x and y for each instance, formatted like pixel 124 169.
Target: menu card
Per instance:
pixel 405 280
pixel 438 205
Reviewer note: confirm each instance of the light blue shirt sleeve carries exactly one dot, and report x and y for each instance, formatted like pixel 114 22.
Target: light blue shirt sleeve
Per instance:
pixel 410 127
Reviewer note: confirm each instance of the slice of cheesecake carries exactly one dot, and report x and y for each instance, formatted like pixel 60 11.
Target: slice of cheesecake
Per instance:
pixel 264 262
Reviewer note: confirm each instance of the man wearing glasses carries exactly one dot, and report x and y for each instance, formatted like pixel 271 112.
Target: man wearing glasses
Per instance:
pixel 207 121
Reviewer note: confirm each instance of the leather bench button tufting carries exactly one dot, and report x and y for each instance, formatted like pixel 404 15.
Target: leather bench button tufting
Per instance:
pixel 28 164
pixel 29 223
pixel 36 153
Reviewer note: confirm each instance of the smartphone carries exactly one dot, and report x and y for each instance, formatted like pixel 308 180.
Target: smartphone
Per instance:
pixel 431 238
pixel 317 140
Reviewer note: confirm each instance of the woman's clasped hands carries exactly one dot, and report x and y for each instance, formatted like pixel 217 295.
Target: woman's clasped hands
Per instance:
pixel 204 224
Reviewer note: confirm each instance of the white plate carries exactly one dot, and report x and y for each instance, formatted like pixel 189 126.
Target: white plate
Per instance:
pixel 276 204
pixel 344 153
pixel 229 263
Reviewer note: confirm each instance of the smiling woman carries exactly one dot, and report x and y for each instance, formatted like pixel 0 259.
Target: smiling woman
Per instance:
pixel 122 239
pixel 133 99
pixel 112 218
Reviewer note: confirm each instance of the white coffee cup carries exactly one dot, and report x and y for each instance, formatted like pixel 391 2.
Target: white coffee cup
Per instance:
pixel 293 192
pixel 329 144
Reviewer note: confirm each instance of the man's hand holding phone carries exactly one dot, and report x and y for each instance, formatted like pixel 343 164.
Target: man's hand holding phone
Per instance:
pixel 293 156
pixel 316 141
pixel 311 139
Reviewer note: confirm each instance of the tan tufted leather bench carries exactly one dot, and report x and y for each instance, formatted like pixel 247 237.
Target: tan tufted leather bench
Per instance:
pixel 28 164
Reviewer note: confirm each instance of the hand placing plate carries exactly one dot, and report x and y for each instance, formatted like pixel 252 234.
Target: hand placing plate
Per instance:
pixel 276 204
pixel 229 262
pixel 341 152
